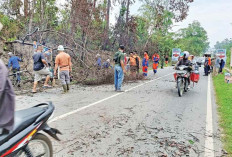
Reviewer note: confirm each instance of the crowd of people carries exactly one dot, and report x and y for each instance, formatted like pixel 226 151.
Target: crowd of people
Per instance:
pixel 133 63
pixel 214 65
pixel 42 68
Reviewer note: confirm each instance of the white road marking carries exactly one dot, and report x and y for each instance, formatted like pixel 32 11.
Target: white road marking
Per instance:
pixel 209 145
pixel 95 103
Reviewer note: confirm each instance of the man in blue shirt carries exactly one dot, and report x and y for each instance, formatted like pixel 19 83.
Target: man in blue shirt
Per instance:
pixel 98 61
pixel 107 64
pixel 14 63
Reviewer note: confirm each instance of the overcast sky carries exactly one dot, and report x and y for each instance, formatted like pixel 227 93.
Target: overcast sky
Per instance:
pixel 214 15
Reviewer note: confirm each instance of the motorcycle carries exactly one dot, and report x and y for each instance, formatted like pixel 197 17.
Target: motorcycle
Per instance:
pixel 182 77
pixel 25 139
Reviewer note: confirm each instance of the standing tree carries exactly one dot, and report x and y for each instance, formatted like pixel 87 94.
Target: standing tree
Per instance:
pixel 159 16
pixel 193 39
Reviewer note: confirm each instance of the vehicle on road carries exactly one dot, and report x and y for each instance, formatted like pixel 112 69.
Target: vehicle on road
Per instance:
pixel 182 77
pixel 200 61
pixel 26 139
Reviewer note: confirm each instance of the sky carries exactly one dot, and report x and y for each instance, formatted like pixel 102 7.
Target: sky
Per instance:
pixel 214 15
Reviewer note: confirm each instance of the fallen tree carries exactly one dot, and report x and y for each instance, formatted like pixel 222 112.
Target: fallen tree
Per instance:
pixel 85 70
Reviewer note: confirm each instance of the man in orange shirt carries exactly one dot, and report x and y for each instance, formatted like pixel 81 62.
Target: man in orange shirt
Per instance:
pixel 209 61
pixel 133 66
pixel 138 60
pixel 63 60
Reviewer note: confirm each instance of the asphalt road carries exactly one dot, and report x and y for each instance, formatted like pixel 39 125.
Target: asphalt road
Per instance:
pixel 149 119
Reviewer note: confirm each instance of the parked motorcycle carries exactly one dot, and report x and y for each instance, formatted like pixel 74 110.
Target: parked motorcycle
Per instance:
pixel 25 139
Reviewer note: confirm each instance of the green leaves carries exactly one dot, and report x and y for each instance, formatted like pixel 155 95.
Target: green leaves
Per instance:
pixel 10 27
pixel 193 39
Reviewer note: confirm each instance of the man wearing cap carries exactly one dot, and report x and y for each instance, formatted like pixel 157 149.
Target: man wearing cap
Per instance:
pixel 7 99
pixel 63 60
pixel 14 62
pixel 119 69
pixel 39 68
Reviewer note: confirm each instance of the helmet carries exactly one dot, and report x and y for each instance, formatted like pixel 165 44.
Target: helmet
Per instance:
pixel 10 54
pixel 186 54
pixel 60 48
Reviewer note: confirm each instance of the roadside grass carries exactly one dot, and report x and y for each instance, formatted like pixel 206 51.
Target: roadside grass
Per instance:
pixel 224 101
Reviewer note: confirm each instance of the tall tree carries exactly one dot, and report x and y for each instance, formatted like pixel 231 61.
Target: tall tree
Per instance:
pixel 107 27
pixel 26 8
pixel 193 39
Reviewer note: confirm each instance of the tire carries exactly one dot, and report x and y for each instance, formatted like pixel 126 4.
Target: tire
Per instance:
pixel 180 85
pixel 185 85
pixel 45 140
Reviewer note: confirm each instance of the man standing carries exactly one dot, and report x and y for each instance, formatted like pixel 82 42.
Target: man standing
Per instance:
pixel 222 64
pixel 137 62
pixel 217 65
pixel 39 68
pixel 206 66
pixel 155 60
pixel 14 62
pixel 119 69
pixel 133 66
pixel 63 60
pixel 145 63
pixel 166 60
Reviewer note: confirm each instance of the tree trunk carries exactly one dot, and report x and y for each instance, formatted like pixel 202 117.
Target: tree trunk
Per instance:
pixel 42 14
pixel 31 17
pixel 25 8
pixel 73 17
pixel 106 31
pixel 127 11
pixel 94 5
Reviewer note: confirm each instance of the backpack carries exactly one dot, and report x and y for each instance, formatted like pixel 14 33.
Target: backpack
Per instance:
pixel 116 58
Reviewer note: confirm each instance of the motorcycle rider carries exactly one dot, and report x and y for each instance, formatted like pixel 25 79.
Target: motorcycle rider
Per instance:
pixel 185 61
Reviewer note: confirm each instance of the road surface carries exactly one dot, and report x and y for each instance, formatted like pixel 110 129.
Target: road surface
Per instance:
pixel 148 119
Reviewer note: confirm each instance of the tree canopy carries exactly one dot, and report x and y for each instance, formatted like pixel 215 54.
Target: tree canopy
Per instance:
pixel 86 23
pixel 193 39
